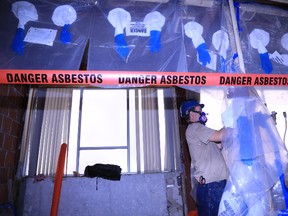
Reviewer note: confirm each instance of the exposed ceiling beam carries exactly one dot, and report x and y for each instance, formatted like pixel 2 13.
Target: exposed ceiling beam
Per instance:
pixel 280 3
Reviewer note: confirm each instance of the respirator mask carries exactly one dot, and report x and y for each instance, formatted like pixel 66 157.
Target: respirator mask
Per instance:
pixel 202 118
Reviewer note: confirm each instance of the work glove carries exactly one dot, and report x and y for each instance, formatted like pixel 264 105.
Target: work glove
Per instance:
pixel 203 54
pixel 220 41
pixel 18 42
pixel 266 64
pixel 194 31
pixel 155 21
pixel 121 46
pixel 119 19
pixel 259 39
pixel 25 12
pixel 66 36
pixel 64 16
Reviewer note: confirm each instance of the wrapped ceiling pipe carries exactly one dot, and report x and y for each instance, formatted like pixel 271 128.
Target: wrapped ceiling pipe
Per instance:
pixel 263 9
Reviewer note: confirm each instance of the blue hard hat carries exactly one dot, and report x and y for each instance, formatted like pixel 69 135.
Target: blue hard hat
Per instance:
pixel 187 106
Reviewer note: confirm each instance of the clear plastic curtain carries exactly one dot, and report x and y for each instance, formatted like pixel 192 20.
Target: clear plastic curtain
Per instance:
pixel 256 157
pixel 255 154
pixel 54 128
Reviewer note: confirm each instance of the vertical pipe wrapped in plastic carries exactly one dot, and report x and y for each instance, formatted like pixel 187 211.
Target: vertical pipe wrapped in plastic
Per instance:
pixel 58 180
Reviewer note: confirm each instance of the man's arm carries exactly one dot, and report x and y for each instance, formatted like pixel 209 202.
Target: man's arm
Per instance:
pixel 216 136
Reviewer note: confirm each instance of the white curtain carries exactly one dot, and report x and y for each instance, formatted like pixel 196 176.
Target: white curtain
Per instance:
pixel 29 125
pixel 46 128
pixel 153 154
pixel 172 147
pixel 151 138
pixel 54 128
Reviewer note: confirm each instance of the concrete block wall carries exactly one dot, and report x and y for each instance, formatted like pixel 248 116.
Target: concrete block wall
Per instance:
pixel 13 102
pixel 137 194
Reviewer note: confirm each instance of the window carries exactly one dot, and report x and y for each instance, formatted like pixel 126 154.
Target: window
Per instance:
pixel 136 129
pixel 100 129
pixel 107 127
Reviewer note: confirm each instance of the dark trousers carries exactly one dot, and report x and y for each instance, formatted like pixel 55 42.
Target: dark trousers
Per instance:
pixel 209 197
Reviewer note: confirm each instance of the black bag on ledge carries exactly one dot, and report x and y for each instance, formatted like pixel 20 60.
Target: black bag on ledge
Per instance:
pixel 106 171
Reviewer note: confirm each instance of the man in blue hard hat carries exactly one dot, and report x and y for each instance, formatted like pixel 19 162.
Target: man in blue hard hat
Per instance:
pixel 208 166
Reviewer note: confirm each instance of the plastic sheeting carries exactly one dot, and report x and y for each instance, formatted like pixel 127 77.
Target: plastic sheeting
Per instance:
pixel 273 21
pixel 255 155
pixel 149 47
pixel 102 49
pixel 179 48
pixel 216 26
pixel 38 56
pixel 177 52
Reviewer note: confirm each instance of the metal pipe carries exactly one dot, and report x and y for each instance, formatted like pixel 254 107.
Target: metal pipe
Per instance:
pixel 58 180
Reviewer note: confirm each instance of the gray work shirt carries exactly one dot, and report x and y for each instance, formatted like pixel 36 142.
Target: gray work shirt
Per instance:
pixel 206 157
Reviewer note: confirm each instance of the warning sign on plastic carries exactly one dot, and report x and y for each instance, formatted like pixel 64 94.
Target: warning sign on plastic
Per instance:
pixel 138 78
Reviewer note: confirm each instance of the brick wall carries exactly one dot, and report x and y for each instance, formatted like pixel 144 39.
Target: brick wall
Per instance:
pixel 13 101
